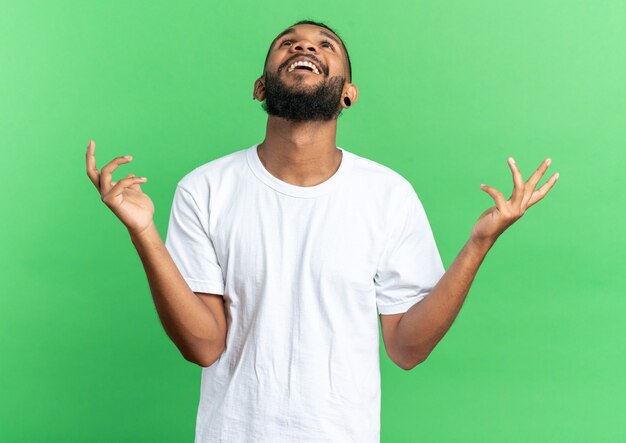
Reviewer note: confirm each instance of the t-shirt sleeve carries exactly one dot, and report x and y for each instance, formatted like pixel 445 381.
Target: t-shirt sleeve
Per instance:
pixel 190 247
pixel 410 265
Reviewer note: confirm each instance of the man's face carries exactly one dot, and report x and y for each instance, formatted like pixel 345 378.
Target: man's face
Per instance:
pixel 305 91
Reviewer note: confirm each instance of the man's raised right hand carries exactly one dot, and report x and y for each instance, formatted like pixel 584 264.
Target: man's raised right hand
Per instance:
pixel 125 197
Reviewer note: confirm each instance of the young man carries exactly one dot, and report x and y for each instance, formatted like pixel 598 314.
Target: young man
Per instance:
pixel 280 257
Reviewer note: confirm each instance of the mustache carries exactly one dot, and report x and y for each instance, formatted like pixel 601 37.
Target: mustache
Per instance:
pixel 307 56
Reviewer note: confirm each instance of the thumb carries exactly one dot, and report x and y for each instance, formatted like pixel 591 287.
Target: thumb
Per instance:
pixel 136 186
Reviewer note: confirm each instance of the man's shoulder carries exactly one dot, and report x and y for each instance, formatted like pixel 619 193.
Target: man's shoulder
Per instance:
pixel 214 170
pixel 380 176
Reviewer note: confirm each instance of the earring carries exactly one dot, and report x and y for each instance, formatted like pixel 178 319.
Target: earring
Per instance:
pixel 347 101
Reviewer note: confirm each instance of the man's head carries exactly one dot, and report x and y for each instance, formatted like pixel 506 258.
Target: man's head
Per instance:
pixel 304 75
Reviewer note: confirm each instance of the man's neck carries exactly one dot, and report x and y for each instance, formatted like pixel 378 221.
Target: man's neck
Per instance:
pixel 300 153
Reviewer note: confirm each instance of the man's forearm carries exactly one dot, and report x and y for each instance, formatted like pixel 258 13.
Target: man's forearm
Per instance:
pixel 425 323
pixel 187 321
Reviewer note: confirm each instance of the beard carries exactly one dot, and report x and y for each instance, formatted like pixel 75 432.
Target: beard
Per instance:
pixel 320 102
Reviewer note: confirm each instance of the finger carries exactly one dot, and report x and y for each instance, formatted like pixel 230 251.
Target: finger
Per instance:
pixel 533 180
pixel 518 184
pixel 106 174
pixel 123 184
pixel 543 190
pixel 113 183
pixel 134 187
pixel 92 170
pixel 497 197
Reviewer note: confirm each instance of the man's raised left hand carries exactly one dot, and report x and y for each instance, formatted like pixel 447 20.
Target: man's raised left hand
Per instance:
pixel 495 220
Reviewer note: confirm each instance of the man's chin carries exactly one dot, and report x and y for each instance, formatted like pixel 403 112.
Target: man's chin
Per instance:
pixel 299 99
pixel 302 73
pixel 301 79
pixel 300 88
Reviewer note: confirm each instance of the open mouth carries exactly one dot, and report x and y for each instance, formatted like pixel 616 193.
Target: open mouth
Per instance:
pixel 303 65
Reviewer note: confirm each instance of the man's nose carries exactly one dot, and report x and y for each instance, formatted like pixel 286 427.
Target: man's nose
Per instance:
pixel 304 46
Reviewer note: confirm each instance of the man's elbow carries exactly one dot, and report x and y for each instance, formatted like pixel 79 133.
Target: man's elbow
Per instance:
pixel 409 363
pixel 203 363
pixel 206 360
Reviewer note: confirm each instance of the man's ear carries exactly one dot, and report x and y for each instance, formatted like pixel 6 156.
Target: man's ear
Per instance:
pixel 352 92
pixel 259 89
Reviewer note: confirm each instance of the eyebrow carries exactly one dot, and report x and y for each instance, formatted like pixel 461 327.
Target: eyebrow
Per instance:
pixel 293 31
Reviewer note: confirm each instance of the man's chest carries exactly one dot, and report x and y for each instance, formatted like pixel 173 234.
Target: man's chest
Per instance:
pixel 289 241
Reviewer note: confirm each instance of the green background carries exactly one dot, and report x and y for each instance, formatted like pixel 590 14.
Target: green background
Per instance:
pixel 448 90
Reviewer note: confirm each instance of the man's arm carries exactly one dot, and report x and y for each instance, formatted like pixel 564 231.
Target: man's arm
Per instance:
pixel 198 331
pixel 425 323
pixel 420 328
pixel 194 322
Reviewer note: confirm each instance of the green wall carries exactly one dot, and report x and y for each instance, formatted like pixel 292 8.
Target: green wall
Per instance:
pixel 448 90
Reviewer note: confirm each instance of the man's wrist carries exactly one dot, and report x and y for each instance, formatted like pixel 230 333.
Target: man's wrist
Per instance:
pixel 481 244
pixel 144 235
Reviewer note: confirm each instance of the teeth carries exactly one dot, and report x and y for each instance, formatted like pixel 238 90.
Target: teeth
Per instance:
pixel 303 63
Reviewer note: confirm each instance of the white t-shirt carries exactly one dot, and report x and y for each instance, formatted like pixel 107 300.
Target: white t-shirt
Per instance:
pixel 303 272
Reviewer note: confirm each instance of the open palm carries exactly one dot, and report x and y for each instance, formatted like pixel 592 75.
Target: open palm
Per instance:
pixel 498 218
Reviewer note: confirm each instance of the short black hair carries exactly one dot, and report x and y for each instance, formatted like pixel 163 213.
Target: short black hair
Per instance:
pixel 311 22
